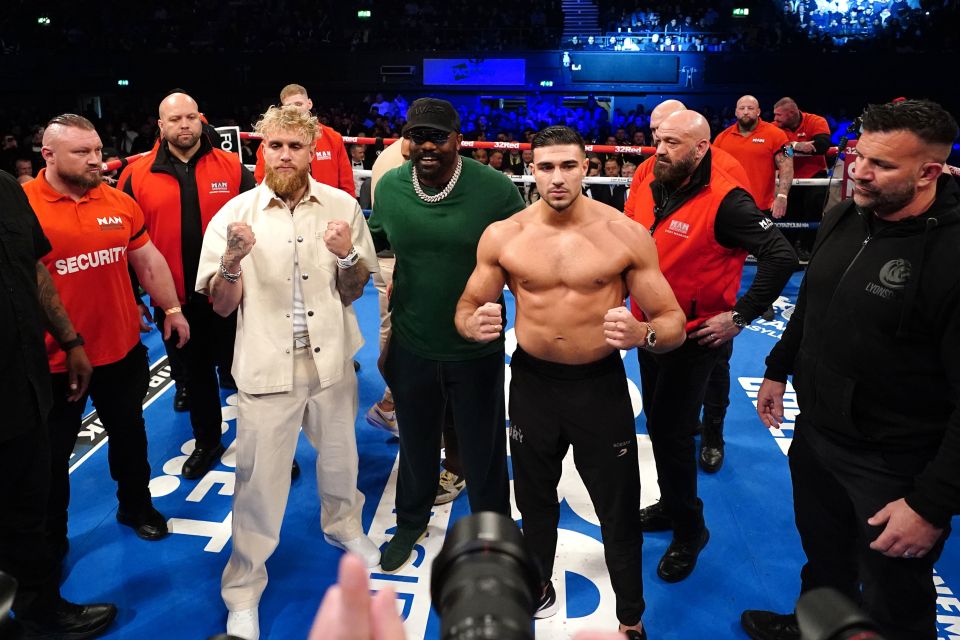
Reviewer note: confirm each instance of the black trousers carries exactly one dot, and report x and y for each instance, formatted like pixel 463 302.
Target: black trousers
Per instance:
pixel 451 446
pixel 24 490
pixel 674 385
pixel 553 407
pixel 117 390
pixel 716 399
pixel 211 344
pixel 835 490
pixel 422 389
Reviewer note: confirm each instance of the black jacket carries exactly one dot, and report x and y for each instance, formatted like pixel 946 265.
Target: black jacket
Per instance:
pixel 874 341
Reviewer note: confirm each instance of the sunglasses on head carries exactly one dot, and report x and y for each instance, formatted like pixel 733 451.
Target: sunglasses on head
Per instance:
pixel 420 136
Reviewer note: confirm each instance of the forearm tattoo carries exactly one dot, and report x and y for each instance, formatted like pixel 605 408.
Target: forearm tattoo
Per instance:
pixel 235 243
pixel 58 322
pixel 350 282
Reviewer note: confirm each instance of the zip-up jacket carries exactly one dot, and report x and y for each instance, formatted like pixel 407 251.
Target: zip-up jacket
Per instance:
pixel 874 341
pixel 179 199
pixel 704 231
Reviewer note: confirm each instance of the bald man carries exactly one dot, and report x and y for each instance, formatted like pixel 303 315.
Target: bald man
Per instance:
pixel 808 134
pixel 180 185
pixel 717 396
pixel 721 158
pixel 764 151
pixel 704 224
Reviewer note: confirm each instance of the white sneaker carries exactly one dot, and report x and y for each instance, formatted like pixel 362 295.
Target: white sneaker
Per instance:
pixel 361 546
pixel 244 624
pixel 386 420
pixel 449 487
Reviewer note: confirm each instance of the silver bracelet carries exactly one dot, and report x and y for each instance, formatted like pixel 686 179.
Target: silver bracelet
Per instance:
pixel 232 278
pixel 349 260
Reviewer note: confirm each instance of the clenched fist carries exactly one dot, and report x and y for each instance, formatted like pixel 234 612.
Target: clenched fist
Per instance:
pixel 240 241
pixel 337 238
pixel 622 330
pixel 485 324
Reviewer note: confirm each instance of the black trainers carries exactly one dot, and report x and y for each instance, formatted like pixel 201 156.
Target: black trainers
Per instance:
pixel 655 518
pixel 767 625
pixel 548 603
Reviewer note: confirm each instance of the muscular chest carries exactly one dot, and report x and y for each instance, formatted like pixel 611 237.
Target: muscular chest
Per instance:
pixel 573 260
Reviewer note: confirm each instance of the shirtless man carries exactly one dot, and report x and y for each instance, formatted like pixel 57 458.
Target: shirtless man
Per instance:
pixel 570 261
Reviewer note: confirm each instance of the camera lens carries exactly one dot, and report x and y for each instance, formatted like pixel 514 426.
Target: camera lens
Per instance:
pixel 484 582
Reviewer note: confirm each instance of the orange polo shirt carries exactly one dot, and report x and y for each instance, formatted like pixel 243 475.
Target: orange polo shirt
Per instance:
pixel 90 239
pixel 756 151
pixel 810 125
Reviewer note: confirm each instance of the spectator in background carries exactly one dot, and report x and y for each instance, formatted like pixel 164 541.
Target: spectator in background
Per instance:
pixel 9 153
pixel 24 170
pixel 496 160
pixel 614 195
pixel 358 154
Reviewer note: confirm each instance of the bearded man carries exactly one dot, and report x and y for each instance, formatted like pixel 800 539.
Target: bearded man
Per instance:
pixel 704 224
pixel 180 185
pixel 291 255
pixel 431 211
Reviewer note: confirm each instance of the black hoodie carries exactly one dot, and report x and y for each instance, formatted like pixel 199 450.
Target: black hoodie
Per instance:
pixel 874 341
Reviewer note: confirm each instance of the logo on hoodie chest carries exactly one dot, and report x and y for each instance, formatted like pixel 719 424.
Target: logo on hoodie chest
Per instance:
pixel 893 277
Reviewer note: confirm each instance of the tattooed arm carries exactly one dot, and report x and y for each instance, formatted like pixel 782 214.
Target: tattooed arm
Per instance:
pixel 226 294
pixel 350 282
pixel 785 175
pixel 60 327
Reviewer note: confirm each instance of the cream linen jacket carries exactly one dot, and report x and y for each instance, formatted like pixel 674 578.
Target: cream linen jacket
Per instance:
pixel 263 352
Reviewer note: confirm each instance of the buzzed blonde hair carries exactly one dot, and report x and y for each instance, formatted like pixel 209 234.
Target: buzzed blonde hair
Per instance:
pixel 288 118
pixel 292 90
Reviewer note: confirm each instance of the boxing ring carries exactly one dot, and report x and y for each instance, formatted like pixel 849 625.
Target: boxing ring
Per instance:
pixel 751 562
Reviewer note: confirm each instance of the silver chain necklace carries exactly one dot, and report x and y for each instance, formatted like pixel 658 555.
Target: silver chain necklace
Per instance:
pixel 446 190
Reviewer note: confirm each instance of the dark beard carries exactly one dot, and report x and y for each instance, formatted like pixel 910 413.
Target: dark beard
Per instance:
pixel 882 204
pixel 184 147
pixel 674 173
pixel 285 186
pixel 83 180
pixel 433 176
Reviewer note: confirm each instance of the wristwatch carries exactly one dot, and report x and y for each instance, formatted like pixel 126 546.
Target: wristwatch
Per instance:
pixel 72 344
pixel 738 320
pixel 650 340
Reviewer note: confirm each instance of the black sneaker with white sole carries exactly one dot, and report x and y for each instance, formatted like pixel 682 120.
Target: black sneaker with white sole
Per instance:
pixel 548 603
